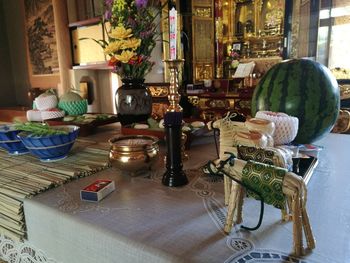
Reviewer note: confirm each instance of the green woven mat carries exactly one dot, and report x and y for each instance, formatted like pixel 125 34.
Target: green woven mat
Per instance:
pixel 24 176
pixel 267 180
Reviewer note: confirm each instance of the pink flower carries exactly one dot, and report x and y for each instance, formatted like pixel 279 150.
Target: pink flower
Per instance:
pixel 141 3
pixel 109 3
pixel 108 14
pixel 146 34
pixel 234 55
pixel 108 10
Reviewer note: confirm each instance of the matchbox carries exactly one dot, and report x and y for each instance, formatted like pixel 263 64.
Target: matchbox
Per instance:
pixel 97 190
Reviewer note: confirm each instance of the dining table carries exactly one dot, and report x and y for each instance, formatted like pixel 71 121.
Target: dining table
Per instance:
pixel 143 220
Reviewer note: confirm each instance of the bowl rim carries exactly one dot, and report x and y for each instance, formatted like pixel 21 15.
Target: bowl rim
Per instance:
pixel 34 148
pixel 72 128
pixel 153 142
pixel 11 128
pixel 9 141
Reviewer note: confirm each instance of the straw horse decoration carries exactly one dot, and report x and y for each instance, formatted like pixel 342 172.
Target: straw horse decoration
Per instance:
pixel 232 134
pixel 292 188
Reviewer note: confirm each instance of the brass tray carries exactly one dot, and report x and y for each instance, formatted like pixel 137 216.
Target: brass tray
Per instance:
pixel 86 129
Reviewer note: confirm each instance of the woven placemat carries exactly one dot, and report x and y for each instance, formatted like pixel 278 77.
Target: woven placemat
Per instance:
pixel 25 176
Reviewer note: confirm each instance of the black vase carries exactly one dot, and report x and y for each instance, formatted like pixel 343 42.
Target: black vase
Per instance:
pixel 133 101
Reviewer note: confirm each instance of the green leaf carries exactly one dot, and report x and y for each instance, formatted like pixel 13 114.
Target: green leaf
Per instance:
pixel 39 129
pixel 102 43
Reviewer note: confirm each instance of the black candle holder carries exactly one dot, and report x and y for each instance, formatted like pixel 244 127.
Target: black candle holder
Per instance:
pixel 174 175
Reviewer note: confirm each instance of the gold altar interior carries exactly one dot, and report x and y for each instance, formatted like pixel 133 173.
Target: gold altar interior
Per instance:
pixel 214 29
pixel 253 27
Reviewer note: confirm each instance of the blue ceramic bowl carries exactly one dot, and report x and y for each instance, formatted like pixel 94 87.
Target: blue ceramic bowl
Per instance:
pixel 52 147
pixel 9 140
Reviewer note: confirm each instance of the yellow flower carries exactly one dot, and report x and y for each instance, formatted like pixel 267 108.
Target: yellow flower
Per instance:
pixel 125 56
pixel 120 5
pixel 120 32
pixel 113 47
pixel 132 43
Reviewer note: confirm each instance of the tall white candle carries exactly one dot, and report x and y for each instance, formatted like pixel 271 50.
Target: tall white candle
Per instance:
pixel 173 32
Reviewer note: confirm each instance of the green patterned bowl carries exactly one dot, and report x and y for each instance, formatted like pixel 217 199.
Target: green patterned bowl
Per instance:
pixel 74 107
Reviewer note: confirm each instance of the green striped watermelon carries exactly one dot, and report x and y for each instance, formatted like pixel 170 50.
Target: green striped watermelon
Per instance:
pixel 302 88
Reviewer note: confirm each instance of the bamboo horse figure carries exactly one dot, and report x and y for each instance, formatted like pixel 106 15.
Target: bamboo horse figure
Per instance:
pixel 232 134
pixel 235 135
pixel 282 183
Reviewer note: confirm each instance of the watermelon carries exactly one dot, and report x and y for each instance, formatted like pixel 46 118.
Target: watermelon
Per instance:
pixel 304 89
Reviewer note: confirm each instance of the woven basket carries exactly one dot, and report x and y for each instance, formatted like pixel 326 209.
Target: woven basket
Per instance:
pixel 74 107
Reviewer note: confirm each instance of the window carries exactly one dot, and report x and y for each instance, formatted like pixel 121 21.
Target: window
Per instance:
pixel 333 37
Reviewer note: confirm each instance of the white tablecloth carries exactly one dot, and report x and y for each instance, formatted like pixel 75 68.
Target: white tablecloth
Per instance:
pixel 144 221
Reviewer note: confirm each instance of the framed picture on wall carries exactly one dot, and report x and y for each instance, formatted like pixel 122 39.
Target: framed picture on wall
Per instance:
pixel 41 43
pixel 237 46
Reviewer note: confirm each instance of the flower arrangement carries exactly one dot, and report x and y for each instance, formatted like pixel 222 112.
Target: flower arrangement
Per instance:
pixel 234 56
pixel 132 36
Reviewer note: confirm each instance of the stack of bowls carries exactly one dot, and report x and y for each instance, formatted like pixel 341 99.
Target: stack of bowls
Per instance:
pixel 50 147
pixel 9 140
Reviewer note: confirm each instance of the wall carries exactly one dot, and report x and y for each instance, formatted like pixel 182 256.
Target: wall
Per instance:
pixel 14 71
pixel 104 87
pixel 7 91
pixel 157 73
pixel 14 22
pixel 104 82
pixel 14 17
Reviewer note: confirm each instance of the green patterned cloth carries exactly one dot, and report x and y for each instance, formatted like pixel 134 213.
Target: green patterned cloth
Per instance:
pixel 261 155
pixel 267 180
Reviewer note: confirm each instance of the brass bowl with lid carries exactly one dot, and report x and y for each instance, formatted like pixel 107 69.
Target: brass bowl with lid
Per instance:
pixel 133 153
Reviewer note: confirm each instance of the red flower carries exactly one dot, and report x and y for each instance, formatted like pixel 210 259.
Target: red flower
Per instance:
pixel 140 59
pixel 113 61
pixel 133 60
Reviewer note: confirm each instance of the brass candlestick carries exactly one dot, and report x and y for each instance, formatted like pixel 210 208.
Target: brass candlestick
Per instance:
pixel 174 96
pixel 174 175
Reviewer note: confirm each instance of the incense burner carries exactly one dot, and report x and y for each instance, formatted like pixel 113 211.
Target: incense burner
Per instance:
pixel 133 153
